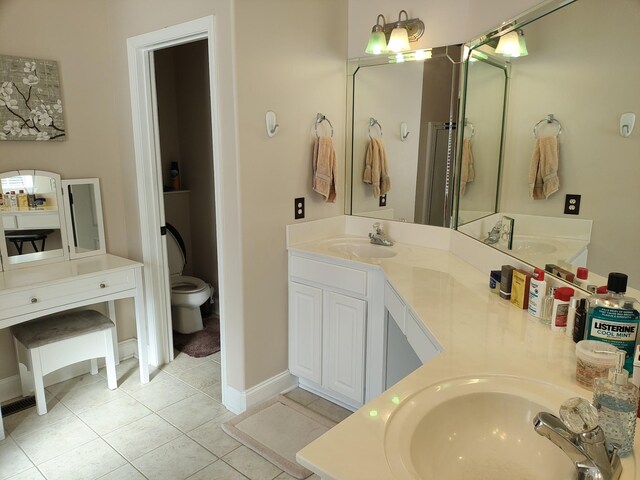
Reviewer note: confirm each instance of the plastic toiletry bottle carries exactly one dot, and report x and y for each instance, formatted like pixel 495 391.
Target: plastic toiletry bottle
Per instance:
pixel 506 279
pixel 613 318
pixel 571 316
pixel 580 320
pixel 537 289
pixel 582 277
pixel 636 372
pixel 560 310
pixel 547 306
pixel 616 400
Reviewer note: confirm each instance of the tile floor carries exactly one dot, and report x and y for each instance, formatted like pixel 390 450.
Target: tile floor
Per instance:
pixel 167 429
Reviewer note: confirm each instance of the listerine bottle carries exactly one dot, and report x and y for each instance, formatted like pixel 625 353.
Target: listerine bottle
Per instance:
pixel 616 400
pixel 614 318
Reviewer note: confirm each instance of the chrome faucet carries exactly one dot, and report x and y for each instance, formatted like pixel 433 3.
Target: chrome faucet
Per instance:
pixel 377 236
pixel 582 439
pixel 494 234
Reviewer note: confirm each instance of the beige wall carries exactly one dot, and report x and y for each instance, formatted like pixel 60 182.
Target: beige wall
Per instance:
pixel 579 69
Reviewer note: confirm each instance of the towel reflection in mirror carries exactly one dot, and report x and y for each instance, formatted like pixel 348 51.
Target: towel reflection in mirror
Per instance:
pixel 376 169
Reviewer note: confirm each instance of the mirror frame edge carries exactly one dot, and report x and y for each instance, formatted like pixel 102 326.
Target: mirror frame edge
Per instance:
pixel 97 195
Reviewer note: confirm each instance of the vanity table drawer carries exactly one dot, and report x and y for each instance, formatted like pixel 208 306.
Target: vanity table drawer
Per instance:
pixel 336 276
pixel 70 291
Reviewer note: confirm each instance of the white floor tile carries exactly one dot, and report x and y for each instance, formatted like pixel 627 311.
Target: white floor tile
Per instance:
pixel 251 464
pixel 54 440
pixel 329 409
pixel 218 470
pixel 128 374
pixel 112 415
pixel 28 421
pixel 87 462
pixel 201 376
pixel 31 474
pixel 157 395
pixel 142 436
pixel 12 459
pixel 182 361
pixel 126 472
pixel 214 391
pixel 213 438
pixel 216 357
pixel 175 460
pixel 68 386
pixel 81 398
pixel 301 396
pixel 192 412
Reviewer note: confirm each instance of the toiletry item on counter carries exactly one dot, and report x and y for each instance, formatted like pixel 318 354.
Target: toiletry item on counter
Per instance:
pixel 592 288
pixel 13 199
pixel 616 400
pixel 547 306
pixel 636 372
pixel 559 272
pixel 494 281
pixel 23 201
pixel 1 201
pixel 506 279
pixel 580 321
pixel 560 310
pixel 593 360
pixel 174 174
pixel 613 318
pixel 537 290
pixel 520 288
pixel 582 277
pixel 571 316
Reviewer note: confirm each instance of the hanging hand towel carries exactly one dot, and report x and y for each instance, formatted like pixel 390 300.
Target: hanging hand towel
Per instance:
pixel 543 171
pixel 468 172
pixel 376 168
pixel 324 168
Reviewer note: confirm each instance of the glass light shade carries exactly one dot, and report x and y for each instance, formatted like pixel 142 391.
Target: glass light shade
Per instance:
pixel 377 43
pixel 523 45
pixel 509 45
pixel 399 40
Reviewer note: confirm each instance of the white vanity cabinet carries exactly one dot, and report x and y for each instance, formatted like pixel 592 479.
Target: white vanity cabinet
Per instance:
pixel 327 328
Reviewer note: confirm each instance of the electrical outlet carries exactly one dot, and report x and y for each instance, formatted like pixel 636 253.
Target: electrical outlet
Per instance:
pixel 298 208
pixel 382 200
pixel 572 204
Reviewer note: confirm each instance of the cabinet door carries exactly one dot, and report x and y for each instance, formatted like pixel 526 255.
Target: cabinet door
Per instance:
pixel 305 331
pixel 344 337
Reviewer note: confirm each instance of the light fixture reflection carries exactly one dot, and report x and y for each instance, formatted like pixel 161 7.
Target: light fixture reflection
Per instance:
pixel 512 45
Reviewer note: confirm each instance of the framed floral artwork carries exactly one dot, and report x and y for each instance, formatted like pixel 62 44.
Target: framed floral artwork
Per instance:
pixel 30 100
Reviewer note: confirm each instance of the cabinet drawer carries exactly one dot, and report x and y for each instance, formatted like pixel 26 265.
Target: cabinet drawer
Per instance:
pixel 49 296
pixel 395 305
pixel 335 276
pixel 422 343
pixel 38 220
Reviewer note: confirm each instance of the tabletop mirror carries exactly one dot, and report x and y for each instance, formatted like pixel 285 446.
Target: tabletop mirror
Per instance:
pixel 46 219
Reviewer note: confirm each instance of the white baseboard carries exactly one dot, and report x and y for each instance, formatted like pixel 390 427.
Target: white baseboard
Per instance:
pixel 10 386
pixel 238 401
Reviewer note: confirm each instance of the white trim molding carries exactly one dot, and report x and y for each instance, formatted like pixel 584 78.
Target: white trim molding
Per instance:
pixel 238 401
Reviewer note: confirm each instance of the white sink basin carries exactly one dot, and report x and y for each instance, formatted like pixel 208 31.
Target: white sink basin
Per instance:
pixel 476 428
pixel 362 249
pixel 533 246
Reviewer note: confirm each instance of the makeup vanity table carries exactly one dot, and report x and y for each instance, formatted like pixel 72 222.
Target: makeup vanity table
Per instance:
pixel 75 271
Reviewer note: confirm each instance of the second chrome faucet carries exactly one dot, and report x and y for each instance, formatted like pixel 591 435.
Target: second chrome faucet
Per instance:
pixel 378 237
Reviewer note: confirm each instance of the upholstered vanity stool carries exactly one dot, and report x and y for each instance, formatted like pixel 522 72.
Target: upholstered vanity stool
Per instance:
pixel 53 342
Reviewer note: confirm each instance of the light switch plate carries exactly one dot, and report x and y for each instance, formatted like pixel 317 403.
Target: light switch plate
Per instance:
pixel 298 208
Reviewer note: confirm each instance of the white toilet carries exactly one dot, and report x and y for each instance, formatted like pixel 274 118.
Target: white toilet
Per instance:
pixel 187 293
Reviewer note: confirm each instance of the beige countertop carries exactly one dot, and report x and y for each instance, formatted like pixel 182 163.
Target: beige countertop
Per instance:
pixel 479 333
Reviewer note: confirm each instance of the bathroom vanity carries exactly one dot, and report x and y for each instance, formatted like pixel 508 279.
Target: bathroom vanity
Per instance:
pixel 73 269
pixel 435 288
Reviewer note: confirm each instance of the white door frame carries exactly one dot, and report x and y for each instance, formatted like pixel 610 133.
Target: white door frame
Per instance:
pixel 149 177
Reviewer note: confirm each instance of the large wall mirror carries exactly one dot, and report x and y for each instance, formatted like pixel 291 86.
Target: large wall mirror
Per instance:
pixel 580 68
pixel 46 219
pixel 411 106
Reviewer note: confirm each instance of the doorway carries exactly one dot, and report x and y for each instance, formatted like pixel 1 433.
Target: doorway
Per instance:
pixel 149 180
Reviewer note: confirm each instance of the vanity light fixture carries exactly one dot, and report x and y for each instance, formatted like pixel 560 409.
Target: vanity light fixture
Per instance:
pixel 512 44
pixel 399 35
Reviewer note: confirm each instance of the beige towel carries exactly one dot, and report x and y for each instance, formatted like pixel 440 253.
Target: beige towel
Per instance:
pixel 543 171
pixel 376 169
pixel 468 171
pixel 324 168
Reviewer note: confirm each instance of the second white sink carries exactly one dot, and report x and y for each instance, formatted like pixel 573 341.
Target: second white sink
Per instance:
pixel 362 249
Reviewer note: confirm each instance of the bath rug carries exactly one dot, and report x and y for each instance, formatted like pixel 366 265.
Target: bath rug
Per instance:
pixel 202 343
pixel 277 429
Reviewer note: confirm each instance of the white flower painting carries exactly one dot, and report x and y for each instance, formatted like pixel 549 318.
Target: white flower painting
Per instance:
pixel 30 103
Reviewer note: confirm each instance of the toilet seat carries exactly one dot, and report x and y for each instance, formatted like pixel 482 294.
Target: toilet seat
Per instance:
pixel 186 285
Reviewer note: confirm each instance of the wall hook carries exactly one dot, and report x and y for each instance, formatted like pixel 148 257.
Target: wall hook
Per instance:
pixel 272 126
pixel 627 122
pixel 404 131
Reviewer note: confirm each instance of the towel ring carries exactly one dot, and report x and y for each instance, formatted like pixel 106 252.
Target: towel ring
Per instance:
pixel 548 119
pixel 467 123
pixel 372 123
pixel 319 119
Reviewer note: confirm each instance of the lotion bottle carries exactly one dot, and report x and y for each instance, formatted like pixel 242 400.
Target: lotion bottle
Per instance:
pixel 616 400
pixel 560 309
pixel 537 290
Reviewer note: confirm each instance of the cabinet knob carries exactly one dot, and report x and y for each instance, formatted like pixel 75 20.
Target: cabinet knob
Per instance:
pixel 103 285
pixel 34 300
